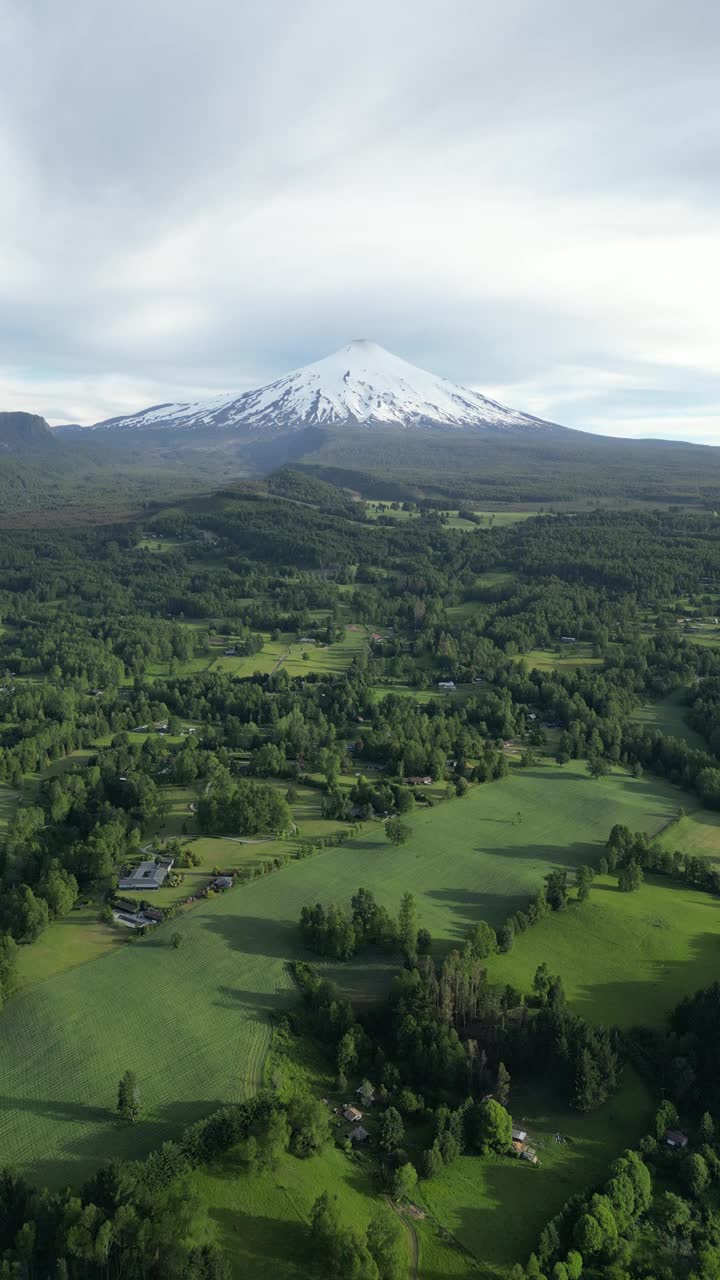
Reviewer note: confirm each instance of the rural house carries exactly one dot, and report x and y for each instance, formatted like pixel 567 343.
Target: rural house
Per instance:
pixel 148 875
pixel 352 1115
pixel 675 1139
pixel 358 1134
pixel 519 1135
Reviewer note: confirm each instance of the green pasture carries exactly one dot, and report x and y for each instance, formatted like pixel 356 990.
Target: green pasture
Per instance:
pixel 668 716
pixel 8 805
pixel 490 519
pixel 286 653
pixel 161 544
pixel 192 1022
pixel 261 1221
pixel 497 1207
pixel 77 939
pixel 698 833
pixel 624 958
pixel 566 658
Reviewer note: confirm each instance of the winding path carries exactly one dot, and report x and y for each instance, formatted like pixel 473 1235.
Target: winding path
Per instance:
pixel 411 1234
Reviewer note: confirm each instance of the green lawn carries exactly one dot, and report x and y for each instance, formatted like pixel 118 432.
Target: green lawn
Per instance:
pixel 497 1207
pixel 193 1022
pixel 624 958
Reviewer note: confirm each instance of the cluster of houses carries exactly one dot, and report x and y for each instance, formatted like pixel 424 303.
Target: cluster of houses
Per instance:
pixel 127 912
pixel 353 1115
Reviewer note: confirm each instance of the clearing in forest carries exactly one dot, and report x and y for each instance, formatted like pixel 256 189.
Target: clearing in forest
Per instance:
pixel 624 958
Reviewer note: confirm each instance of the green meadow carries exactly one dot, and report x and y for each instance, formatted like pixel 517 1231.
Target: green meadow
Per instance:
pixel 565 659
pixel 668 716
pixel 697 833
pixel 624 958
pixel 192 1022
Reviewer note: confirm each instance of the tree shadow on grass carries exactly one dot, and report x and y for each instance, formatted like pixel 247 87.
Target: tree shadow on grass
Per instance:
pixel 260 1243
pixel 255 935
pixel 79 1156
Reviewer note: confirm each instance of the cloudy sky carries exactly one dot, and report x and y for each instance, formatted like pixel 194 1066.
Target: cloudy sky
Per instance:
pixel 523 196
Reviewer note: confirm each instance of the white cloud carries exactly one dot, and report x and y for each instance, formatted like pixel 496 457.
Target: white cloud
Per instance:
pixel 525 200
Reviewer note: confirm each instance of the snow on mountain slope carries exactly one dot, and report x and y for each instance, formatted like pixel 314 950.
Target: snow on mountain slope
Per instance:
pixel 361 383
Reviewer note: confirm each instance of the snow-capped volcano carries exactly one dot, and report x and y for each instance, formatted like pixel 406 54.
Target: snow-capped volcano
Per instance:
pixel 361 383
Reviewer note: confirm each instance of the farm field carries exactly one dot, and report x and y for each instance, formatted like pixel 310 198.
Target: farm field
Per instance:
pixel 192 1022
pixel 624 958
pixel 477 1199
pixel 668 716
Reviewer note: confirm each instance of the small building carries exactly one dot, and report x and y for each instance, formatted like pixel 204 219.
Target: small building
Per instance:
pixel 527 1154
pixel 568 640
pixel 675 1139
pixel 352 1115
pixel 222 882
pixel 420 782
pixel 519 1135
pixel 446 684
pixel 148 875
pixel 358 1134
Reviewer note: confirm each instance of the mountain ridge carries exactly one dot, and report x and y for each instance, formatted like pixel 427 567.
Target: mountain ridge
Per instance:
pixel 25 433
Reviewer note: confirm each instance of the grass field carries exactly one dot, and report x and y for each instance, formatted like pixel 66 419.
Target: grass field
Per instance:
pixel 192 1022
pixel 575 655
pixel 8 805
pixel 624 958
pixel 497 1207
pixel 698 833
pixel 491 519
pixel 327 659
pixel 77 939
pixel 262 1221
pixel 668 715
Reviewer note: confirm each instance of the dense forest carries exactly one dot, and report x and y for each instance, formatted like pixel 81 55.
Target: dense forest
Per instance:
pixel 105 631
